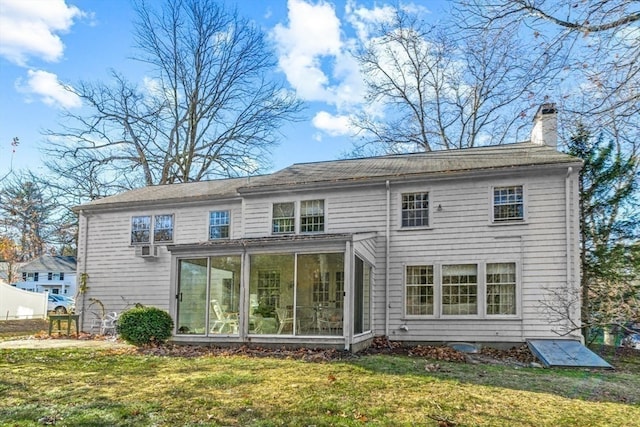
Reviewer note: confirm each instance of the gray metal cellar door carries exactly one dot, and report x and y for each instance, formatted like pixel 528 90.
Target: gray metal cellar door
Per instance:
pixel 566 353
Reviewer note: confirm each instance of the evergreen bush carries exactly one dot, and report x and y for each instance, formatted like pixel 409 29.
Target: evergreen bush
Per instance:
pixel 145 325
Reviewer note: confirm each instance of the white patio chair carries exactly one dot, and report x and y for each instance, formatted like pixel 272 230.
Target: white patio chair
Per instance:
pixel 108 326
pixel 222 322
pixel 285 319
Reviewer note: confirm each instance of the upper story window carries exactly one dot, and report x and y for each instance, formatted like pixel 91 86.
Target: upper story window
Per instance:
pixel 55 276
pixel 415 209
pixel 501 288
pixel 312 216
pixel 163 228
pixel 30 277
pixel 419 289
pixel 508 203
pixel 219 225
pixel 284 218
pixel 141 229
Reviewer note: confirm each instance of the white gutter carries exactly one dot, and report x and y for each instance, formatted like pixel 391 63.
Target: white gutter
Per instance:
pixel 386 261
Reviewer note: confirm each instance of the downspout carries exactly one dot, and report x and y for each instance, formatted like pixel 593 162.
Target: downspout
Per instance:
pixel 386 261
pixel 348 299
pixel 567 213
pixel 244 307
pixel 81 287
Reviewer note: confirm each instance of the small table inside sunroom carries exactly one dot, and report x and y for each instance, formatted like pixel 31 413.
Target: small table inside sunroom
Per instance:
pixel 58 318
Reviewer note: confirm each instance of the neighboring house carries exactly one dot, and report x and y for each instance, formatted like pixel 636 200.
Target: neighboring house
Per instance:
pixel 56 274
pixel 464 245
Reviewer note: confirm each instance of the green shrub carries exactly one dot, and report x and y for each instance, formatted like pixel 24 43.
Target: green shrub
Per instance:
pixel 145 325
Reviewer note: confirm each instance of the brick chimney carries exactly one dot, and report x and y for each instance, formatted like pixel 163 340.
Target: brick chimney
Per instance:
pixel 545 126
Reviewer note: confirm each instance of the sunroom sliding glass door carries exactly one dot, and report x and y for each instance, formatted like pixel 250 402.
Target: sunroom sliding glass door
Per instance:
pixel 209 288
pixel 224 294
pixel 192 295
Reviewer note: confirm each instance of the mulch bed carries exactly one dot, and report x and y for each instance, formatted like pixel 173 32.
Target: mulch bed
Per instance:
pixel 516 356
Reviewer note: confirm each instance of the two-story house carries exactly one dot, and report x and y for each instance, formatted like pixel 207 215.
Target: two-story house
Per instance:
pixel 462 245
pixel 53 273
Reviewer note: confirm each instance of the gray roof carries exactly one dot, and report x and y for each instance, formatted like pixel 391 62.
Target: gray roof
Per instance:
pixel 50 263
pixel 191 191
pixel 415 164
pixel 399 166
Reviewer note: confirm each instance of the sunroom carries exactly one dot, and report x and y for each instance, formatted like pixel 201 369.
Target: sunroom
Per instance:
pixel 287 290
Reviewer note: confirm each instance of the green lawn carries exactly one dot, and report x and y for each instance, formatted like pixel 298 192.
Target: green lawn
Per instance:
pixel 83 387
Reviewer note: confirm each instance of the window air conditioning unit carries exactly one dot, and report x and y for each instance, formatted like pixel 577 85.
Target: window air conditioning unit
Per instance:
pixel 147 251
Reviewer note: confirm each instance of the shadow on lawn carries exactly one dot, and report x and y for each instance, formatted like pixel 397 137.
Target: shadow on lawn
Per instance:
pixel 619 385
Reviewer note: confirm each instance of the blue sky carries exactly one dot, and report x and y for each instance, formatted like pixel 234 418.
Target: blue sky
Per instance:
pixel 47 43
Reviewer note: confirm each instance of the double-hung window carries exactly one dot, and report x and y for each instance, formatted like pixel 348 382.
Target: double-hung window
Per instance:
pixel 419 290
pixel 219 225
pixel 141 229
pixel 312 216
pixel 284 218
pixel 30 277
pixel 320 287
pixel 415 209
pixel 501 288
pixel 163 228
pixel 460 289
pixel 508 203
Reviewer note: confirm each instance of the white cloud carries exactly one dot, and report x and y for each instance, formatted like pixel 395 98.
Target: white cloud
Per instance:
pixel 315 49
pixel 315 55
pixel 49 89
pixel 334 125
pixel 30 29
pixel 313 33
pixel 364 20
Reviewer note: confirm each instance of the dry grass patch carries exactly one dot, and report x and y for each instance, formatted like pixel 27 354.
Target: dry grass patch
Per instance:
pixel 125 388
pixel 11 329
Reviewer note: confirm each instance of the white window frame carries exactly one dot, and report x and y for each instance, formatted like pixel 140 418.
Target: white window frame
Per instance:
pixel 321 223
pixel 482 289
pixel 433 285
pixel 51 276
pixel 274 218
pixel 30 277
pixel 516 286
pixel 156 229
pixel 133 222
pixel 151 230
pixel 220 225
pixel 511 220
pixel 479 290
pixel 428 209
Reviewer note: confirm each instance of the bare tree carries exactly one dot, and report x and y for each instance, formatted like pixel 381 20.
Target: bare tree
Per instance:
pixel 432 89
pixel 210 109
pixel 597 48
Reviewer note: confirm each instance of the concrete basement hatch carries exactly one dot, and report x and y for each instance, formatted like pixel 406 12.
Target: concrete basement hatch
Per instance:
pixel 566 353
